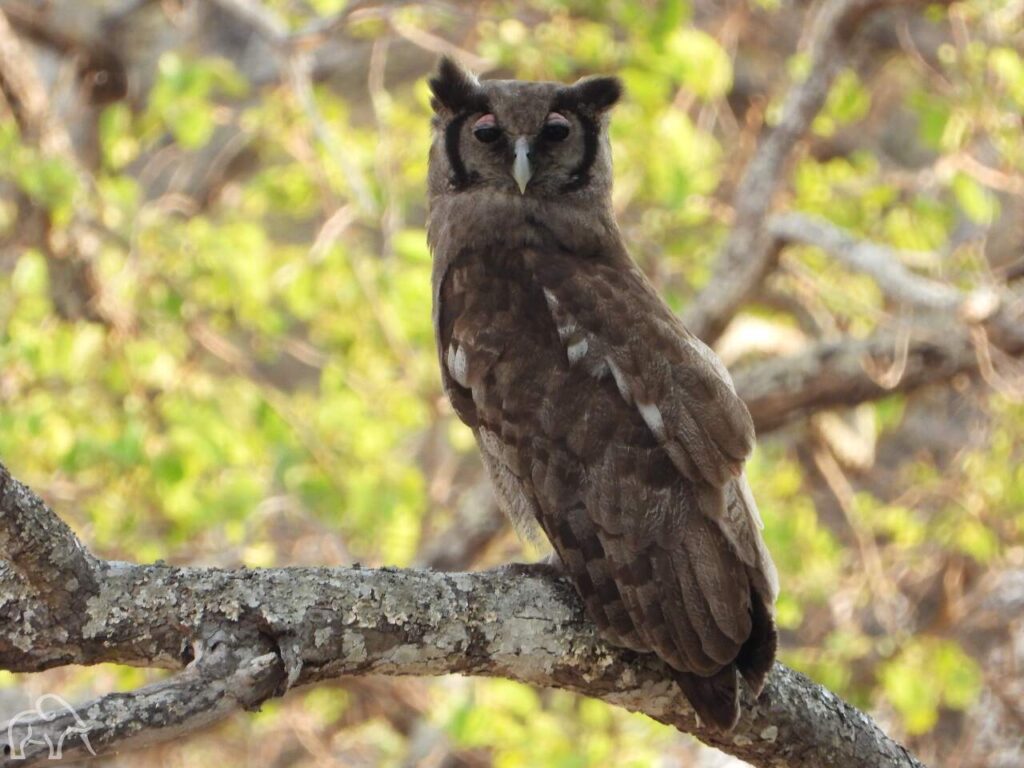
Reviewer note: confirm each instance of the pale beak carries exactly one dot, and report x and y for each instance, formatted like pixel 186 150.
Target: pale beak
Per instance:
pixel 521 170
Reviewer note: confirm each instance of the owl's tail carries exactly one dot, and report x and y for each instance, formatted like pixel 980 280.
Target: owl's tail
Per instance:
pixel 716 698
pixel 758 654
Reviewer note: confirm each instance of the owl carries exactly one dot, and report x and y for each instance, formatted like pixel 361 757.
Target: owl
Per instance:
pixel 601 420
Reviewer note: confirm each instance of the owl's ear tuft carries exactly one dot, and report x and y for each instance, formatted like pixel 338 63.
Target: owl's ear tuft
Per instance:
pixel 454 87
pixel 598 93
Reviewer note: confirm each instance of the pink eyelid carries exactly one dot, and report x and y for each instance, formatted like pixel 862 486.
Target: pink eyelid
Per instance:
pixel 556 118
pixel 486 121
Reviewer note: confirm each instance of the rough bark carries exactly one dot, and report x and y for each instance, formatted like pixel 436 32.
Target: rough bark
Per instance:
pixel 243 635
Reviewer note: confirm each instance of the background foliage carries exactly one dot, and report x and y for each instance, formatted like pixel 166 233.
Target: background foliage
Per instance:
pixel 241 371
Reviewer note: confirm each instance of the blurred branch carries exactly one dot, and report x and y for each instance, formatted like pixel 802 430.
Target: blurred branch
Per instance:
pixel 477 523
pixel 241 633
pixel 26 95
pixel 100 70
pixel 261 19
pixel 750 250
pixel 848 372
pixel 882 263
pixel 69 250
pixel 970 326
pixel 297 67
pixel 271 27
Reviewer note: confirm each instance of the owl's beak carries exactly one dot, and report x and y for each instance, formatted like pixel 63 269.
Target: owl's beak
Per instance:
pixel 521 170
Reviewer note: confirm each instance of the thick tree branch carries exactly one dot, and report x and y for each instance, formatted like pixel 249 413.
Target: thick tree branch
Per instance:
pixel 241 633
pixel 849 372
pixel 956 339
pixel 750 250
pixel 42 549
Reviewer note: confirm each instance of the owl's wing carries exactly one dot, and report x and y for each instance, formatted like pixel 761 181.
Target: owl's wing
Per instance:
pixel 647 543
pixel 473 322
pixel 612 323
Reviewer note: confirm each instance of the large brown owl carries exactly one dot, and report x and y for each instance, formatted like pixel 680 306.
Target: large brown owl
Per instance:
pixel 598 415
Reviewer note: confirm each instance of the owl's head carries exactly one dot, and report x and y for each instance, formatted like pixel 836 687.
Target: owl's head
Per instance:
pixel 521 138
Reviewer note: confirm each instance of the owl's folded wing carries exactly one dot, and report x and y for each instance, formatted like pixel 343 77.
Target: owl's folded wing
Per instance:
pixel 613 324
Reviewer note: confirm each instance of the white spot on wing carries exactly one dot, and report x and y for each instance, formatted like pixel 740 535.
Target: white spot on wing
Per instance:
pixel 457 364
pixel 566 325
pixel 620 380
pixel 577 351
pixel 598 367
pixel 653 418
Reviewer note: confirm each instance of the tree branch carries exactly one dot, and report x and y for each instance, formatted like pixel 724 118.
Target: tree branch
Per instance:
pixel 852 371
pixel 42 549
pixel 171 709
pixel 297 67
pixel 99 68
pixel 849 372
pixel 26 95
pixel 750 250
pixel 881 262
pixel 69 252
pixel 243 635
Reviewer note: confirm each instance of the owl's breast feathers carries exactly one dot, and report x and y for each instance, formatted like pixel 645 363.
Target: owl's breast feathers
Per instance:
pixel 601 417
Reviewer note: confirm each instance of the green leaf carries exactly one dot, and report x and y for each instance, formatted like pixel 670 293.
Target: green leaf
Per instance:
pixel 1008 66
pixel 848 101
pixel 980 205
pixel 52 183
pixel 30 277
pixel 698 61
pixel 927 674
pixel 411 245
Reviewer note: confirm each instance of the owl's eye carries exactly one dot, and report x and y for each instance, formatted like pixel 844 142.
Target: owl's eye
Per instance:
pixel 486 129
pixel 556 128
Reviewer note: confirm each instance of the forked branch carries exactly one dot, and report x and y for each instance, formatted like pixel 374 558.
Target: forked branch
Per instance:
pixel 243 635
